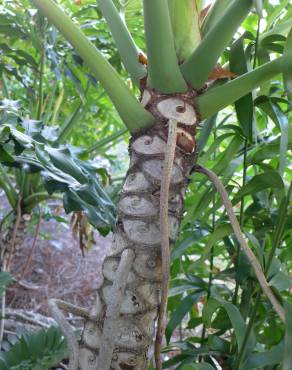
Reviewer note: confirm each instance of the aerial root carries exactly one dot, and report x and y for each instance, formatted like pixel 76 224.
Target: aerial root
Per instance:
pixel 55 306
pixel 243 244
pixel 113 311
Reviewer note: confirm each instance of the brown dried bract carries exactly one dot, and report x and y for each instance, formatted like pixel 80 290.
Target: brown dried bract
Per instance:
pixel 204 13
pixel 143 59
pixel 185 141
pixel 219 73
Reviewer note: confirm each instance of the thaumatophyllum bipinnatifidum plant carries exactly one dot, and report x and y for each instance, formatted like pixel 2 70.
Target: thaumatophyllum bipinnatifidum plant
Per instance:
pixel 180 83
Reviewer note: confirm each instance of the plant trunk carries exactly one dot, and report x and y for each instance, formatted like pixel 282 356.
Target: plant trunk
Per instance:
pixel 128 334
pixel 11 239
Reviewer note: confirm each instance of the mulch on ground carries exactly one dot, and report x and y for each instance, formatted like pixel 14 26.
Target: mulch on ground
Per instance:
pixel 57 269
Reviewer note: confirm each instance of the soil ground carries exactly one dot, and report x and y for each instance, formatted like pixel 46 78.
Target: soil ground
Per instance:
pixel 57 268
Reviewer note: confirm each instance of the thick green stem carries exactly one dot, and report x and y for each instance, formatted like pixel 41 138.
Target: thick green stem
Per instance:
pixel 133 114
pixel 184 16
pixel 126 46
pixel 214 15
pixel 164 72
pixel 218 98
pixel 198 67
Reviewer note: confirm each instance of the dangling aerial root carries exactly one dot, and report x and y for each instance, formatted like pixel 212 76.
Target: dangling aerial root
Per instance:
pixel 113 311
pixel 164 232
pixel 243 244
pixel 55 306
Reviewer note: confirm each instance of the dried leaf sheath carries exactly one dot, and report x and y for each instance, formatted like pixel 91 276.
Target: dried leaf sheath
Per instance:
pixel 138 230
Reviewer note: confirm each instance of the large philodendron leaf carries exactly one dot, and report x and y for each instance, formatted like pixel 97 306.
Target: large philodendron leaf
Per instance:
pixel 77 179
pixel 61 169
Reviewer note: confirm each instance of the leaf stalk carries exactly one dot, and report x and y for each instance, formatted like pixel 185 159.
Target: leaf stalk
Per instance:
pixel 219 97
pixel 164 73
pixel 132 113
